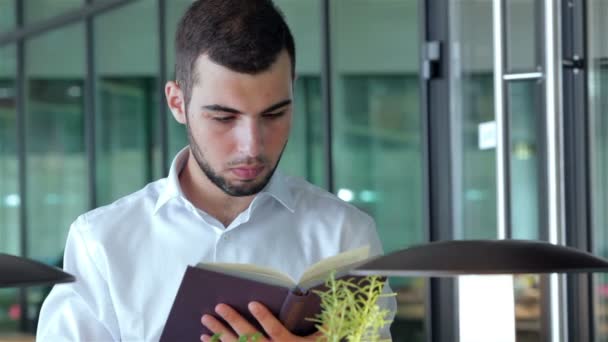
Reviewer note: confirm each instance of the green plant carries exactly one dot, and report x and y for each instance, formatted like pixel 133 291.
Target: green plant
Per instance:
pixel 350 311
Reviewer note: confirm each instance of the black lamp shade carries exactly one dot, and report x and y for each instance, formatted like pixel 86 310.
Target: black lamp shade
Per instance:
pixel 17 272
pixel 478 257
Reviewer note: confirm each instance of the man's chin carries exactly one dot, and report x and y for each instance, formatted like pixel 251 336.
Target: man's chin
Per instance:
pixel 242 192
pixel 243 188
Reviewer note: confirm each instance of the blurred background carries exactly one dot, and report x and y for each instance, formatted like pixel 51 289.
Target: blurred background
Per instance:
pixel 395 111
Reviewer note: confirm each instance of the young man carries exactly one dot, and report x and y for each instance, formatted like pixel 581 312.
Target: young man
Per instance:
pixel 222 201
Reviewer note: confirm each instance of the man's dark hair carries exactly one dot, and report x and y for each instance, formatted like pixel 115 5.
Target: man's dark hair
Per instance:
pixel 246 36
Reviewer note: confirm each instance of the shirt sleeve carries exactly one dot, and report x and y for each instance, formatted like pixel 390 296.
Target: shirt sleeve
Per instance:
pixel 367 235
pixel 82 310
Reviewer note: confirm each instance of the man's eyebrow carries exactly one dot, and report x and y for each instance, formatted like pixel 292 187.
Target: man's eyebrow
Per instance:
pixel 277 106
pixel 220 108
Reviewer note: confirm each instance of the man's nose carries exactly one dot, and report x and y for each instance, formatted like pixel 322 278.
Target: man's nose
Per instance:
pixel 250 138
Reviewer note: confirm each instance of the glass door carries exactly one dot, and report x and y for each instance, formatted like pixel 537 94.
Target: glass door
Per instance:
pixel 10 200
pixel 597 87
pixel 377 142
pixel 503 115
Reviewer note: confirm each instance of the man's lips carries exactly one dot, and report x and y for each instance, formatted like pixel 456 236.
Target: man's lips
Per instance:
pixel 247 172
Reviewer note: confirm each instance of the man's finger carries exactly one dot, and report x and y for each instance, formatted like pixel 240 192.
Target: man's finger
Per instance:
pixel 218 328
pixel 273 327
pixel 318 336
pixel 236 321
pixel 205 338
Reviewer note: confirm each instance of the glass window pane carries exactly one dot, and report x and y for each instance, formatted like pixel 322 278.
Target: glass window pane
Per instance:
pixel 37 10
pixel 598 108
pixel 176 132
pixel 521 25
pixel 472 109
pixel 126 125
pixel 377 142
pixel 9 185
pixel 304 153
pixel 9 170
pixel 524 109
pixel 56 174
pixel 56 161
pixel 7 15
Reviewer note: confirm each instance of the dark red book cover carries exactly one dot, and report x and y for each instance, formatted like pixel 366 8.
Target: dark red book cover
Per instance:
pixel 201 290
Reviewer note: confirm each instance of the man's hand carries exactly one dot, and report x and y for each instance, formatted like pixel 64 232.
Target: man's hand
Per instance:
pixel 273 328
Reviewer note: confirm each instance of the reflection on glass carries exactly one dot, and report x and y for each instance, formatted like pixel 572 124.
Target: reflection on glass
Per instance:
pixel 7 15
pixel 9 182
pixel 9 170
pixel 523 97
pixel 377 143
pixel 56 179
pixel 56 162
pixel 523 100
pixel 127 145
pixel 599 98
pixel 304 153
pixel 527 307
pixel 303 156
pixel 598 107
pixel 478 163
pixel 36 10
pixel 521 38
pixel 472 107
pixel 56 174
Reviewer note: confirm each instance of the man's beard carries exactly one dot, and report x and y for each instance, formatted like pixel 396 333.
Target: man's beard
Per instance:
pixel 231 189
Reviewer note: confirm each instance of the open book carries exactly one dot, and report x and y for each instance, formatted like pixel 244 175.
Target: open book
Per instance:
pixel 291 300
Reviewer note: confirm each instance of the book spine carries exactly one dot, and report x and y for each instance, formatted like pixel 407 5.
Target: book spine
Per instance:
pixel 296 308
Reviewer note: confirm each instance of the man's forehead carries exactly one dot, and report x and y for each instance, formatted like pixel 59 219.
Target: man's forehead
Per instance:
pixel 220 88
pixel 205 62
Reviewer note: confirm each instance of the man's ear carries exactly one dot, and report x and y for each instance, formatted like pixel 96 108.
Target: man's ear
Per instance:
pixel 176 101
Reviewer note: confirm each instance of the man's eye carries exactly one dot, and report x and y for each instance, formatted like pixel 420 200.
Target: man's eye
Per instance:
pixel 273 115
pixel 223 118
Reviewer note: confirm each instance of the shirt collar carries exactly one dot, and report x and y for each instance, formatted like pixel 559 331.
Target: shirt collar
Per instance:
pixel 172 187
pixel 277 187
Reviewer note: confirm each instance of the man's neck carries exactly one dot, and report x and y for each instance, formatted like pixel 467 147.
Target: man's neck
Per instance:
pixel 207 196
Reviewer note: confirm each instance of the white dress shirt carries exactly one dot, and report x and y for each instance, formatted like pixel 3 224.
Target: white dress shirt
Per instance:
pixel 129 257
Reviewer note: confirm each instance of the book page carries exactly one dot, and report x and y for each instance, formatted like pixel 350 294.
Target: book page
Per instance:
pixel 319 271
pixel 252 272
